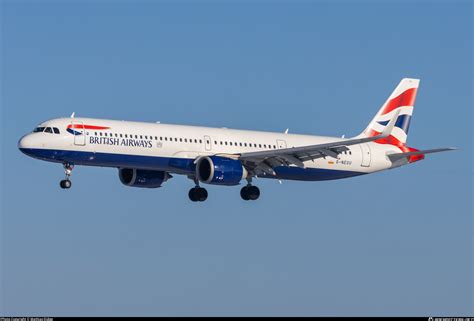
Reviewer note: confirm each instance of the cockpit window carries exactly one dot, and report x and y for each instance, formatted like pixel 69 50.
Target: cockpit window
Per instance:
pixel 56 130
pixel 48 130
pixel 38 130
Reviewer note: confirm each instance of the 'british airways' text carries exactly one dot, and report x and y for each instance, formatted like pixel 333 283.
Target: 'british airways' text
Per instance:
pixel 128 142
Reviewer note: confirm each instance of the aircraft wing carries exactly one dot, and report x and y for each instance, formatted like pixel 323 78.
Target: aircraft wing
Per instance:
pixel 265 161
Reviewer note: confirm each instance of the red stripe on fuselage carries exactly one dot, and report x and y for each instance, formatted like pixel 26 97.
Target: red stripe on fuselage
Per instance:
pixel 79 126
pixel 406 98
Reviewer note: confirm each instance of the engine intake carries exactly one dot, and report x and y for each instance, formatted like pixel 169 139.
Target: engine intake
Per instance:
pixel 220 170
pixel 142 178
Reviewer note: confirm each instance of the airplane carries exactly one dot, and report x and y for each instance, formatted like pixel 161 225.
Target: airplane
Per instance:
pixel 148 154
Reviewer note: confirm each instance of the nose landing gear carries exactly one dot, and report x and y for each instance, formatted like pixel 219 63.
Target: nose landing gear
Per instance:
pixel 66 183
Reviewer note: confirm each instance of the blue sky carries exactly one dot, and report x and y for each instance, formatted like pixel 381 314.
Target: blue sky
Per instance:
pixel 393 243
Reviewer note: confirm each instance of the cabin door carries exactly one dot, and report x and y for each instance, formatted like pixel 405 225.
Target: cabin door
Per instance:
pixel 79 133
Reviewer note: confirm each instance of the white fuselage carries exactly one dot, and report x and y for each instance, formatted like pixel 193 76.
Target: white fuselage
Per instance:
pixel 174 148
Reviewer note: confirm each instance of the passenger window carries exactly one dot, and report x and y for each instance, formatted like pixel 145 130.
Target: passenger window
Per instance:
pixel 230 143
pixel 161 138
pixel 175 139
pixel 260 145
pixel 180 140
pixel 245 144
pixel 56 130
pixel 226 143
pixel 221 142
pixel 100 133
pixel 215 142
pixel 200 141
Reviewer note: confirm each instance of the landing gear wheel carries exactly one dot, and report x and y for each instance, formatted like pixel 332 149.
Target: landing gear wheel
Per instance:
pixel 65 184
pixel 192 194
pixel 244 193
pixel 250 193
pixel 197 194
pixel 254 193
pixel 201 194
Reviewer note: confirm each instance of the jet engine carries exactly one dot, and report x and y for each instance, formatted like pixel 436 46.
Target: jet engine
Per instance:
pixel 142 177
pixel 220 170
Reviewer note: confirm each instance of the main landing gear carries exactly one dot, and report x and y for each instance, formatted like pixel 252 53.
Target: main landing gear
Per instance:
pixel 66 183
pixel 250 192
pixel 197 194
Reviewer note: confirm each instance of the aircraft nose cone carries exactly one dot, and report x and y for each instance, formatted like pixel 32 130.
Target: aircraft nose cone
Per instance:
pixel 25 144
pixel 21 143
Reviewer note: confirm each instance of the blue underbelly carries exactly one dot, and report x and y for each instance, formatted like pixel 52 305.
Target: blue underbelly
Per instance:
pixel 174 165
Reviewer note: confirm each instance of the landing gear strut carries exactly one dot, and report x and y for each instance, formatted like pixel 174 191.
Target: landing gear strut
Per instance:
pixel 66 183
pixel 250 192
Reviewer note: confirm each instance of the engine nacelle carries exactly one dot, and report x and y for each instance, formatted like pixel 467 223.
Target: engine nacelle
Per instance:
pixel 220 170
pixel 142 177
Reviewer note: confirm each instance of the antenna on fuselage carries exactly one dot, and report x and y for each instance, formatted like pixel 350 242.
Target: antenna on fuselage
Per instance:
pixel 286 131
pixel 73 114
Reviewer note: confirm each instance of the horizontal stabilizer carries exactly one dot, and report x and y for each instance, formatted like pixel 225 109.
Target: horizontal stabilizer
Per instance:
pixel 396 156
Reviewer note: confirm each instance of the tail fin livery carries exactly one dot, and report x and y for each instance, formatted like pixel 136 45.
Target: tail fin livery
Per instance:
pixel 402 100
pixel 399 105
